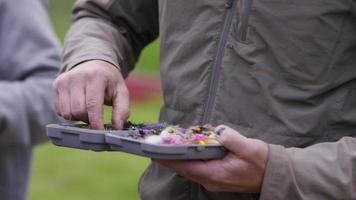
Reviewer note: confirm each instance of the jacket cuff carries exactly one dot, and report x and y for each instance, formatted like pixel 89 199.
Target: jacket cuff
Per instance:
pixel 78 60
pixel 275 173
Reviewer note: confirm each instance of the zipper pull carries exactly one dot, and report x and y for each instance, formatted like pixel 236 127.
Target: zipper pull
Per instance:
pixel 228 3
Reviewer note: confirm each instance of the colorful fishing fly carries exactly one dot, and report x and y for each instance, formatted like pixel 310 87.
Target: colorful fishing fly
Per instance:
pixel 162 133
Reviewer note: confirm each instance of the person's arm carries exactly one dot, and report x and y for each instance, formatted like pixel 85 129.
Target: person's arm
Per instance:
pixel 106 35
pixel 321 171
pixel 29 62
pixel 111 30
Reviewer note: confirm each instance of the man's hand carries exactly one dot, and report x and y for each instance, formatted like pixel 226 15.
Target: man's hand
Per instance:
pixel 241 170
pixel 80 94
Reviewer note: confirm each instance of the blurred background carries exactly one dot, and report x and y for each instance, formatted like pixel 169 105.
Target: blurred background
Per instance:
pixel 62 173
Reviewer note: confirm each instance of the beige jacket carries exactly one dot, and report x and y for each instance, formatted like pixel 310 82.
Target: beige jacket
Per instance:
pixel 280 71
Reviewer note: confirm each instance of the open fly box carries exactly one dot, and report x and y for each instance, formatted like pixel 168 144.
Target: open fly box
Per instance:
pixel 129 140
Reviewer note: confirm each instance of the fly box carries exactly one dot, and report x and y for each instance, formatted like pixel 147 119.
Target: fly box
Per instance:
pixel 158 141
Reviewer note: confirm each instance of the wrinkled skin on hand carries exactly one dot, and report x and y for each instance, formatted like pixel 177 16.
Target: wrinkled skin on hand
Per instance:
pixel 241 170
pixel 80 94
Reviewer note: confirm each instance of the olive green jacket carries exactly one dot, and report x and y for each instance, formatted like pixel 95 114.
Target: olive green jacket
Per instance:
pixel 280 71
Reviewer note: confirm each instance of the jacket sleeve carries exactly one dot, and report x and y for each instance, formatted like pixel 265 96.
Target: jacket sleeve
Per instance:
pixel 321 171
pixel 29 61
pixel 111 30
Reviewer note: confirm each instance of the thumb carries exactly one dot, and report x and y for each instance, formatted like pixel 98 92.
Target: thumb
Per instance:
pixel 233 140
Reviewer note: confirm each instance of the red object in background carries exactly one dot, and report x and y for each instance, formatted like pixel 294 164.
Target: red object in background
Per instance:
pixel 143 86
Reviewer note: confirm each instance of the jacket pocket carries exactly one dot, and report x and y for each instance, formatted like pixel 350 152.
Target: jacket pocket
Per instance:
pixel 242 29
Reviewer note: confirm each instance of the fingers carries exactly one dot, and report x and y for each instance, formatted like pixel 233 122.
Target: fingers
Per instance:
pixel 55 97
pixel 61 95
pixel 209 174
pixel 241 170
pixel 80 94
pixel 78 100
pixel 194 170
pixel 94 103
pixel 120 106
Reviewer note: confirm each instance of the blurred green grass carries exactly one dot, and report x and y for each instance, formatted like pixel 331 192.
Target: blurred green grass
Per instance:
pixel 62 173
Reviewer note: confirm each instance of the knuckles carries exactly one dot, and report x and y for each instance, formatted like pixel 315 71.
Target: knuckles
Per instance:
pixel 60 82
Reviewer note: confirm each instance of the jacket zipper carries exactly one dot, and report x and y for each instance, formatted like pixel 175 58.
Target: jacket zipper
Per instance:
pixel 214 77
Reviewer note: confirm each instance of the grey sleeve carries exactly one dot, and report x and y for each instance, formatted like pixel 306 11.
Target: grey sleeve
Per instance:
pixel 111 30
pixel 321 171
pixel 29 62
